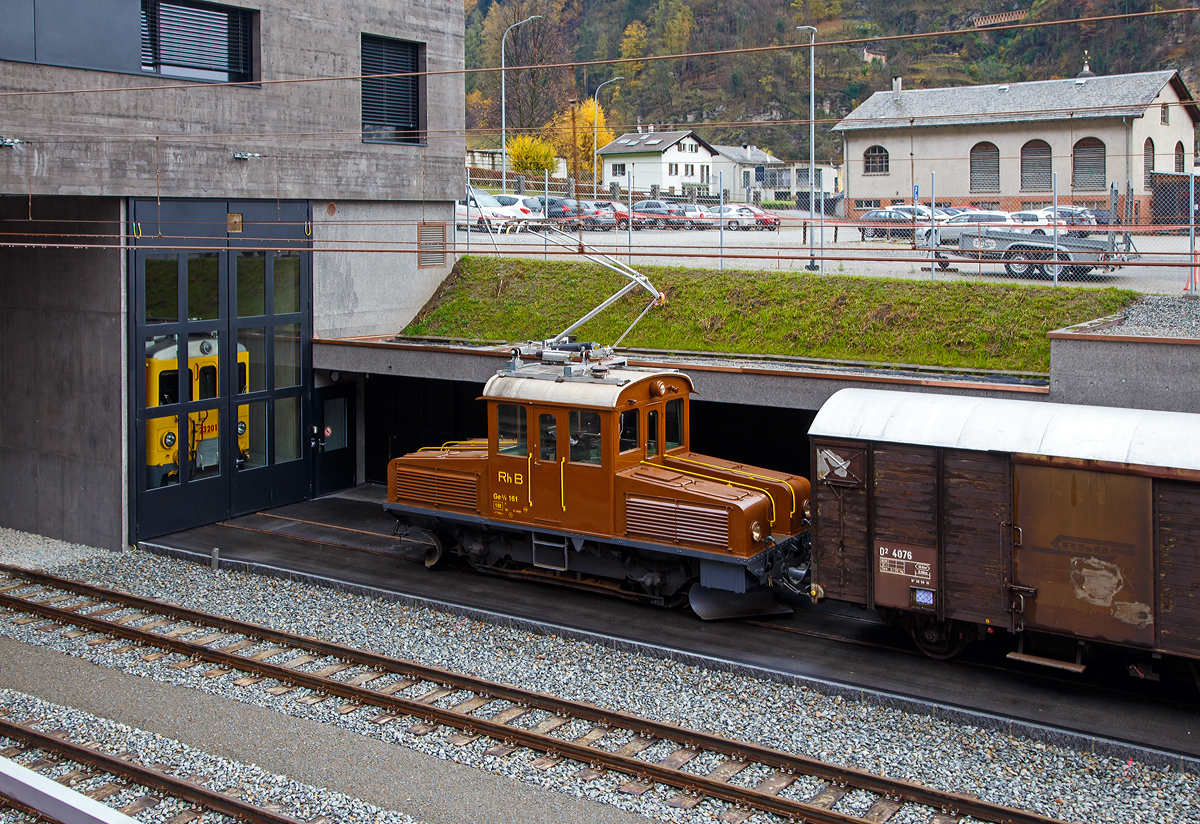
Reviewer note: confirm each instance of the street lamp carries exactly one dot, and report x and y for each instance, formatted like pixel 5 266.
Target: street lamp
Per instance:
pixel 503 101
pixel 812 130
pixel 596 129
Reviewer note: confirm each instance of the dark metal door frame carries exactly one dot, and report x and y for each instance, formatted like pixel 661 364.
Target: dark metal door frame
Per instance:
pixel 184 228
pixel 334 471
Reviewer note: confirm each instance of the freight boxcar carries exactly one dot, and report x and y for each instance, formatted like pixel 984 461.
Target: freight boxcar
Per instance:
pixel 957 515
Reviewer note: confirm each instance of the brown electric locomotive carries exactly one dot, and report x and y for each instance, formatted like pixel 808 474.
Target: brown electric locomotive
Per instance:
pixel 587 478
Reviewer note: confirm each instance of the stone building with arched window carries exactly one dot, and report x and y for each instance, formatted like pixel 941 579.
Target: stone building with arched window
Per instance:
pixel 1003 146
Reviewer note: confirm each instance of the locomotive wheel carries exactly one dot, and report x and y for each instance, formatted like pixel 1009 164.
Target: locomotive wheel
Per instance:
pixel 938 639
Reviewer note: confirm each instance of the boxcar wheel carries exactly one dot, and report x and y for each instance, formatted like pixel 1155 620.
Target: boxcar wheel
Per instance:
pixel 938 639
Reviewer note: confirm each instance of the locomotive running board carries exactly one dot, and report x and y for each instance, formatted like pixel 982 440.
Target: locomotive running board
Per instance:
pixel 1053 663
pixel 719 604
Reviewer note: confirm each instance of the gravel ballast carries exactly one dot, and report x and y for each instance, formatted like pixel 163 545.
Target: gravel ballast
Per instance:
pixel 1156 316
pixel 248 782
pixel 1052 780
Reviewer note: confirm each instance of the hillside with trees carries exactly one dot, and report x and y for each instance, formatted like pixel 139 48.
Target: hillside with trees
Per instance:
pixel 762 98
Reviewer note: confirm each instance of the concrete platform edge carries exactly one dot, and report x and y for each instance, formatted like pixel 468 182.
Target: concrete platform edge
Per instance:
pixel 1080 742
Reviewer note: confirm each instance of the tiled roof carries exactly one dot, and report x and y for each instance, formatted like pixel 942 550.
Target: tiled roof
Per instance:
pixel 753 154
pixel 1118 95
pixel 648 142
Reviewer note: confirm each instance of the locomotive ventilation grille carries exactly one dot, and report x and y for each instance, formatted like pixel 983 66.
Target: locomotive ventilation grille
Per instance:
pixel 436 488
pixel 677 522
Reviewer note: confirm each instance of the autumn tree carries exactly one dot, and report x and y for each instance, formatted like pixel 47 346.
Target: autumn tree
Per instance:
pixel 586 116
pixel 531 155
pixel 811 12
pixel 533 94
pixel 634 44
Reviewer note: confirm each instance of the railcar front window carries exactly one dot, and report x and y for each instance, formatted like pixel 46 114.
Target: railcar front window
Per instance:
pixel 674 434
pixel 510 424
pixel 652 433
pixel 168 387
pixel 207 383
pixel 585 437
pixel 629 430
pixel 547 439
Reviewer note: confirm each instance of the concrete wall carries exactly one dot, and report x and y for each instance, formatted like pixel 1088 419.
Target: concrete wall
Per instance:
pixel 358 290
pixel 790 389
pixel 62 372
pixel 139 135
pixel 1102 370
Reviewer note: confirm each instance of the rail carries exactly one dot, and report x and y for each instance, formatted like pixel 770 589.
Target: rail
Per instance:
pixel 892 794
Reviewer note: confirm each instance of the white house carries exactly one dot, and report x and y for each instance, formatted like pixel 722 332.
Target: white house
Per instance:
pixel 676 162
pixel 1000 146
pixel 745 169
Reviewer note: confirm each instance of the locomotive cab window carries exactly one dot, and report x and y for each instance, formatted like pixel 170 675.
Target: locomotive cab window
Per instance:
pixel 206 383
pixel 585 437
pixel 168 387
pixel 510 429
pixel 629 430
pixel 651 433
pixel 674 434
pixel 547 438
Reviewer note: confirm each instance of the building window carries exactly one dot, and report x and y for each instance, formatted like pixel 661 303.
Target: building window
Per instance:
pixel 618 170
pixel 1088 165
pixel 692 147
pixel 391 106
pixel 679 147
pixel 704 174
pixel 988 205
pixel 1165 115
pixel 875 161
pixel 985 168
pixel 199 41
pixel 431 245
pixel 867 204
pixel 1034 205
pixel 1037 173
pixel 672 168
pixel 1179 158
pixel 689 169
pixel 1148 164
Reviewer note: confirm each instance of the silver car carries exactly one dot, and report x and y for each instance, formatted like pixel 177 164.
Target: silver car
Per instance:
pixel 698 217
pixel 969 222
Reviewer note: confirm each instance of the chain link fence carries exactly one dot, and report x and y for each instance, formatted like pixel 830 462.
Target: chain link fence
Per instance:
pixel 761 220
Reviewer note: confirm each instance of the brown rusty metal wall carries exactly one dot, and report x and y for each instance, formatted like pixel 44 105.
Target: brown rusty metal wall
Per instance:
pixel 976 535
pixel 840 552
pixel 1178 543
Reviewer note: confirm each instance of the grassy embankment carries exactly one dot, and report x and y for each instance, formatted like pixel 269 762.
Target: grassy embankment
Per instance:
pixel 952 324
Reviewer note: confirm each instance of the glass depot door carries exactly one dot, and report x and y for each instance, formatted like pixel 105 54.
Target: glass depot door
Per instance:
pixel 219 360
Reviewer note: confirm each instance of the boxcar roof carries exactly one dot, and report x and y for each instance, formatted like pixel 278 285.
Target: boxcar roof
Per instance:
pixel 1129 436
pixel 536 383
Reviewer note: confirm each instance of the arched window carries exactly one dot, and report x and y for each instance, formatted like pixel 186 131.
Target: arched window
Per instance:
pixel 1179 158
pixel 875 161
pixel 985 168
pixel 1036 169
pixel 1148 164
pixel 1089 171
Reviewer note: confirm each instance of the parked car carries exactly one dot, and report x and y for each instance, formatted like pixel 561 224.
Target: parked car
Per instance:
pixel 611 213
pixel 658 213
pixel 763 219
pixel 886 223
pixel 971 222
pixel 566 211
pixel 1037 223
pixel 735 216
pixel 698 217
pixel 480 210
pixel 1076 216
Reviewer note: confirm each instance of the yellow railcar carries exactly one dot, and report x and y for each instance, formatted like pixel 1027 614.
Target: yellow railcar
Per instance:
pixel 162 388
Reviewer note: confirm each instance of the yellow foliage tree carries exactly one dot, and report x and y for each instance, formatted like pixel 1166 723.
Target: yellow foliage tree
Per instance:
pixel 634 44
pixel 587 115
pixel 531 155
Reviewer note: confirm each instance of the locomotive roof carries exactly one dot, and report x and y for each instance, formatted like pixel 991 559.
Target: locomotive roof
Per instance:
pixel 1128 436
pixel 166 348
pixel 545 383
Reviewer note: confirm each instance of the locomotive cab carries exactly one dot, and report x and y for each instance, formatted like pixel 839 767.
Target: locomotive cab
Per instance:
pixel 587 478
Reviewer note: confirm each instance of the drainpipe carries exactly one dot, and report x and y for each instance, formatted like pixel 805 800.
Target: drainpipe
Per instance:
pixel 1128 173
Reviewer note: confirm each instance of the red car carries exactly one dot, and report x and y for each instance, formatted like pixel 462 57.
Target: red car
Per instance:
pixel 764 220
pixel 611 213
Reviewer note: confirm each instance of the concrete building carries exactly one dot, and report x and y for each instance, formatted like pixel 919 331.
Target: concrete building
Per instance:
pixel 678 163
pixel 999 146
pixel 189 188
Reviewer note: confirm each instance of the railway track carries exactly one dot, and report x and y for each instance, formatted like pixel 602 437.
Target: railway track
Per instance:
pixel 104 777
pixel 558 729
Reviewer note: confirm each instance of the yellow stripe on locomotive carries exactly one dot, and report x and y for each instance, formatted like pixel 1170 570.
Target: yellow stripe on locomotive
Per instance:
pixel 162 389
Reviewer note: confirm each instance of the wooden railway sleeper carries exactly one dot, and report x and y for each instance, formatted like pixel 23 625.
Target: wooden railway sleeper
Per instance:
pixel 718 744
